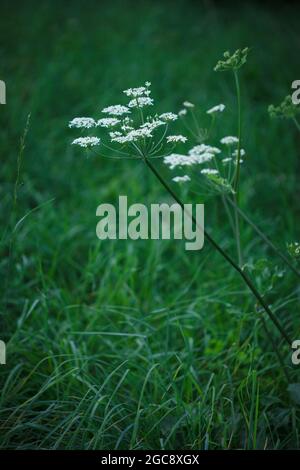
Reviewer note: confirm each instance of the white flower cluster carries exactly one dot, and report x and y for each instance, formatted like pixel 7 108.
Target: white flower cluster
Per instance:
pixel 140 96
pixel 242 153
pixel 132 136
pixel 108 122
pixel 138 91
pixel 229 140
pixel 152 124
pixel 188 104
pixel 198 149
pixel 86 141
pixel 140 102
pixel 176 138
pixel 178 160
pixel 216 109
pixel 197 155
pixel 83 122
pixel 227 160
pixel 181 179
pixel 131 124
pixel 116 110
pixel 209 171
pixel 168 117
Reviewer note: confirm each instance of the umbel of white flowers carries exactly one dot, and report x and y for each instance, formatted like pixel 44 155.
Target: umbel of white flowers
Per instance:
pixel 131 125
pixel 131 129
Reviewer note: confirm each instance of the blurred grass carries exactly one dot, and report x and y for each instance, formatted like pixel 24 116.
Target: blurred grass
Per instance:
pixel 134 344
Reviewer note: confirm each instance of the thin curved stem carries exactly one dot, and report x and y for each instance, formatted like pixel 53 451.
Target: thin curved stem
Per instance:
pixel 246 279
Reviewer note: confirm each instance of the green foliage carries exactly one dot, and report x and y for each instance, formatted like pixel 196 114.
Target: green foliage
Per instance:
pixel 287 109
pixel 294 249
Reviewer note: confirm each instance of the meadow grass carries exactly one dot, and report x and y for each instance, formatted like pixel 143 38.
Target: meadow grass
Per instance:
pixel 140 344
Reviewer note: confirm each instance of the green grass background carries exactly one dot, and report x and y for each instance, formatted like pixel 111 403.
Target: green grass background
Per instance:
pixel 140 345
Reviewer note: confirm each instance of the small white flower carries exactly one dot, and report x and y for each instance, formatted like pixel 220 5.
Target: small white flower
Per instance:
pixel 153 124
pixel 187 104
pixel 229 140
pixel 198 149
pixel 176 138
pixel 176 159
pixel 227 160
pixel 115 134
pixel 242 153
pixel 108 122
pixel 203 157
pixel 209 171
pixel 181 179
pixel 182 112
pixel 116 110
pixel 139 91
pixel 86 141
pixel 168 117
pixel 132 136
pixel 82 122
pixel 122 139
pixel 148 84
pixel 126 128
pixel 140 102
pixel 216 109
pixel 142 132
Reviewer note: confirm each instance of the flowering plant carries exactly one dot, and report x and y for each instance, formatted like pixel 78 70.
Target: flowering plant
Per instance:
pixel 132 131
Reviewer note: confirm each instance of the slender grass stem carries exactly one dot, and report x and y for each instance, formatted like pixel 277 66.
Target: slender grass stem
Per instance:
pixel 297 124
pixel 276 349
pixel 198 130
pixel 244 276
pixel 19 162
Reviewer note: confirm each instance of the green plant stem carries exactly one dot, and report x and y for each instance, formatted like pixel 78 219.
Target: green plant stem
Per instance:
pixel 229 215
pixel 236 182
pixel 238 158
pixel 265 238
pixel 237 231
pixel 246 279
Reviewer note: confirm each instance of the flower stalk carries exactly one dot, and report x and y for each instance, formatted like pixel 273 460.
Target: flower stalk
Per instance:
pixel 244 276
